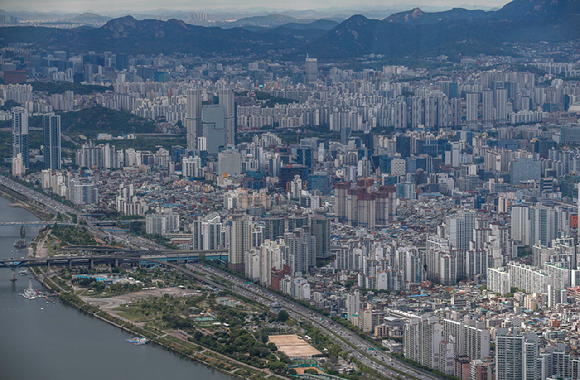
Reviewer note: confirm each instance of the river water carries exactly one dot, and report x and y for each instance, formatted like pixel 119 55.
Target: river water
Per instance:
pixel 44 340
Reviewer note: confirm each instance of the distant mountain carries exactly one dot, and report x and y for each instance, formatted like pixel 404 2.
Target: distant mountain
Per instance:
pixel 128 35
pixel 412 33
pixel 417 16
pixel 538 10
pixel 89 18
pixel 318 25
pixel 267 21
pixel 418 33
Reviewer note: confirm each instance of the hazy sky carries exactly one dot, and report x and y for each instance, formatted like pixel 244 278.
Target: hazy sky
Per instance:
pixel 107 6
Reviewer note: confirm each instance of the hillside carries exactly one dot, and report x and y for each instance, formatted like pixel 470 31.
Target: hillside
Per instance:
pixel 91 121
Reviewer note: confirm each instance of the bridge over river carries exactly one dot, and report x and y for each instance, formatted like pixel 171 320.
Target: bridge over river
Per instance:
pixel 114 258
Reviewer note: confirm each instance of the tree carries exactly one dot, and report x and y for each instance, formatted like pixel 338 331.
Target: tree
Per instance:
pixel 272 346
pixel 283 316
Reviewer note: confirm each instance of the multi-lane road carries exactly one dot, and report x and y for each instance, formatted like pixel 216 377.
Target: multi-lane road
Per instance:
pixel 346 339
pixel 58 207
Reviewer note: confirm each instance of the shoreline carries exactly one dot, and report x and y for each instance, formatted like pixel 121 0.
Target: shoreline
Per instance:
pixel 184 352
pixel 185 349
pixel 19 200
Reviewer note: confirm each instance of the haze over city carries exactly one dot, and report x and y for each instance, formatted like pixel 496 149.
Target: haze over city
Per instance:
pixel 135 6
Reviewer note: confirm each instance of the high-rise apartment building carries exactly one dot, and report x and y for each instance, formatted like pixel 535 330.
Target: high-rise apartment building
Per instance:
pixel 208 233
pixel 513 353
pixel 240 239
pixel 20 134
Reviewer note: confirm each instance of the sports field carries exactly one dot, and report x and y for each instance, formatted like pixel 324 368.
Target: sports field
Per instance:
pixel 293 346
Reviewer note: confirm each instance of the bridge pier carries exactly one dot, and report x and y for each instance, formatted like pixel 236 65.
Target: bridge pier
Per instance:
pixel 91 264
pixel 13 276
pixel 69 264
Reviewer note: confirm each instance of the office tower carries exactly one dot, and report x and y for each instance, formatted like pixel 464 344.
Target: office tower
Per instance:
pixel 193 112
pixel 403 145
pixel 275 226
pixel 229 163
pixel 227 101
pixel 214 129
pixel 51 140
pixel 455 154
pixel 240 238
pixel 20 134
pixel 544 224
pixel 471 106
pixel 304 156
pixel 525 169
pixel 451 89
pixel 320 227
pixel 311 69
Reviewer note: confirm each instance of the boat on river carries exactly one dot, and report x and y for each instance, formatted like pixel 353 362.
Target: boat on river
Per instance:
pixel 30 293
pixel 137 340
pixel 20 243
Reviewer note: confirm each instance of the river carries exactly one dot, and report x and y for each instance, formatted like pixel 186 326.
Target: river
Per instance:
pixel 44 340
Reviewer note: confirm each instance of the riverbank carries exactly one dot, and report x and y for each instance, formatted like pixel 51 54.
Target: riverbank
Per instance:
pixel 19 200
pixel 174 341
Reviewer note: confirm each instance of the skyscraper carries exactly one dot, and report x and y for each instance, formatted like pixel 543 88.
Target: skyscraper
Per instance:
pixel 311 69
pixel 320 227
pixel 51 138
pixel 193 122
pixel 214 128
pixel 20 134
pixel 227 101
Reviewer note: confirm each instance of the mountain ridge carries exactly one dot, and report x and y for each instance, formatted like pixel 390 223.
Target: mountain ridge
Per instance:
pixel 413 32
